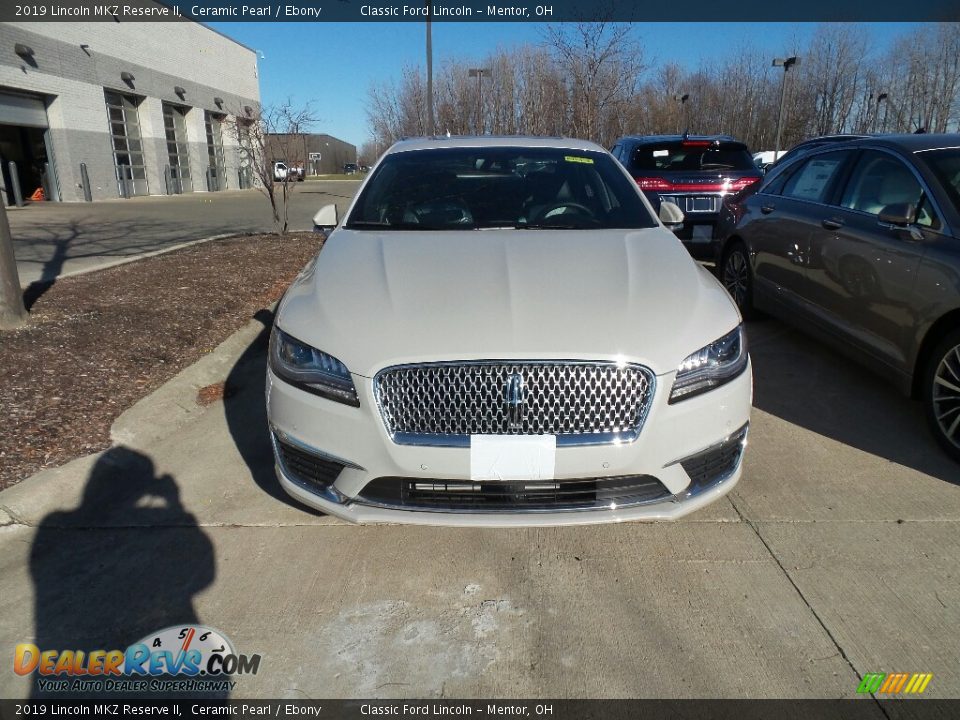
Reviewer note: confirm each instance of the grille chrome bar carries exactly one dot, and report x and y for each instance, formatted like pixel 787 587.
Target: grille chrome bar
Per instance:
pixel 581 403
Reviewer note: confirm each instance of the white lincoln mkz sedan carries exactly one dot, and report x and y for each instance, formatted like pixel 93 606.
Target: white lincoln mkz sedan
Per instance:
pixel 502 332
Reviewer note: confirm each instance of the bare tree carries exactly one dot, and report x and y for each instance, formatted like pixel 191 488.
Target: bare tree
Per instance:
pixel 269 135
pixel 590 80
pixel 601 63
pixel 370 152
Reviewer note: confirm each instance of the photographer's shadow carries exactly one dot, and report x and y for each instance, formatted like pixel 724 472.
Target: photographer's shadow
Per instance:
pixel 125 563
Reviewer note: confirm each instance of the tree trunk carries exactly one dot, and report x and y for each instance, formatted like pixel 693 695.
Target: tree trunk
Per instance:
pixel 12 312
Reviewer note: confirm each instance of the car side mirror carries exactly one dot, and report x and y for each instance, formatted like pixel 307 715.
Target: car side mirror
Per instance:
pixel 670 213
pixel 326 219
pixel 899 214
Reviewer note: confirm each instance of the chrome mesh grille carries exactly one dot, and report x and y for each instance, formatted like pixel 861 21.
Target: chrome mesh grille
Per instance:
pixel 559 398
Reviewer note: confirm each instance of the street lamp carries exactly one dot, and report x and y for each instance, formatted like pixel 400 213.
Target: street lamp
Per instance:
pixel 431 125
pixel 876 118
pixel 682 99
pixel 786 64
pixel 478 73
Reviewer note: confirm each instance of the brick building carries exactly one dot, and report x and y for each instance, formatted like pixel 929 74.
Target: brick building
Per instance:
pixel 98 110
pixel 320 154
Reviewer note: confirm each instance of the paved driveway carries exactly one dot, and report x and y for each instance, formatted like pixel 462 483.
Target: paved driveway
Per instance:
pixel 837 555
pixel 51 239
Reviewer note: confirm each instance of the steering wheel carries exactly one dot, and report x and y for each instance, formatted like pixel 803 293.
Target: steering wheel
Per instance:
pixel 442 212
pixel 550 210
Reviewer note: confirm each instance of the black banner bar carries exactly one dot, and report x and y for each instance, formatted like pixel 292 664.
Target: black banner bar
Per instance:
pixel 478 11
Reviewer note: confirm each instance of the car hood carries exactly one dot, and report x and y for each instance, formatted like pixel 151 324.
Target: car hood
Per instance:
pixel 374 299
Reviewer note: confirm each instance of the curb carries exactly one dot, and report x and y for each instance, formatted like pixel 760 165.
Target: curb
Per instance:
pixel 174 404
pixel 152 419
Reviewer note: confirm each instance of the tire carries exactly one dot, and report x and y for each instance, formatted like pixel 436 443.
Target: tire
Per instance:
pixel 737 277
pixel 941 393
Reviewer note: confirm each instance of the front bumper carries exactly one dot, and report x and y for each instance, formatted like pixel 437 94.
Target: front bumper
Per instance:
pixel 673 436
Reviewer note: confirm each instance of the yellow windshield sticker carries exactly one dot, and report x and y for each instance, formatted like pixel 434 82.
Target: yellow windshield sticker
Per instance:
pixel 572 158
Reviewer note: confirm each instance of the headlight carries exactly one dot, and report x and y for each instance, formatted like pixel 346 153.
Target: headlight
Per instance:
pixel 711 366
pixel 310 369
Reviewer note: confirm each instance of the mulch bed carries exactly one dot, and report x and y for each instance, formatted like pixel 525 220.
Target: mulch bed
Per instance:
pixel 97 343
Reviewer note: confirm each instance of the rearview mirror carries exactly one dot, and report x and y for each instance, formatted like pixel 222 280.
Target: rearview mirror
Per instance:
pixel 899 214
pixel 325 219
pixel 670 213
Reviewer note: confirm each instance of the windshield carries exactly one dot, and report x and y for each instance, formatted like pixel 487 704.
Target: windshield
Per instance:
pixel 692 155
pixel 945 164
pixel 499 187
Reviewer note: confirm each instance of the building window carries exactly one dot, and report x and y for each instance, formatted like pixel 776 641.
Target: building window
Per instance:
pixel 177 173
pixel 127 144
pixel 245 153
pixel 216 177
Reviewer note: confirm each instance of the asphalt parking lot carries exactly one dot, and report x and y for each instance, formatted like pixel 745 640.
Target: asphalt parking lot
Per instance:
pixel 53 239
pixel 836 555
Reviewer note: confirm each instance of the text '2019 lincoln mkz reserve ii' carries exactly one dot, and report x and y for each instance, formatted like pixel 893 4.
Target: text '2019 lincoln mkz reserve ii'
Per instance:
pixel 502 332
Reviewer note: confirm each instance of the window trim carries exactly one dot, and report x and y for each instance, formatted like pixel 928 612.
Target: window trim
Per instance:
pixel 924 190
pixel 839 179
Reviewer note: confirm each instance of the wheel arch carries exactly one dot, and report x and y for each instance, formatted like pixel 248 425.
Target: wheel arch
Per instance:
pixel 728 243
pixel 945 324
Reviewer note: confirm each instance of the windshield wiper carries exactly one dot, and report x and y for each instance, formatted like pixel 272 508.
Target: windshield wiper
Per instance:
pixel 366 224
pixel 547 226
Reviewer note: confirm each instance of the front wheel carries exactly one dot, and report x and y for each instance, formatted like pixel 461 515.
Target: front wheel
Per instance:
pixel 941 393
pixel 737 277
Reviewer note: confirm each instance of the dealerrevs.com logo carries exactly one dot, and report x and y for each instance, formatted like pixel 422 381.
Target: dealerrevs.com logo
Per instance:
pixel 191 658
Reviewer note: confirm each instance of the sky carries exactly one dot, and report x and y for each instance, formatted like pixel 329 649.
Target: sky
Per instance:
pixel 333 65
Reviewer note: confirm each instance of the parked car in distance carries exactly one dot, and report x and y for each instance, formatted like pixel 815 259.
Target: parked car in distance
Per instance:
pixel 694 172
pixel 284 172
pixel 349 168
pixel 502 332
pixel 859 243
pixel 765 158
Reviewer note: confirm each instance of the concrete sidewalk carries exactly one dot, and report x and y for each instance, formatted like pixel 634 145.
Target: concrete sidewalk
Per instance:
pixel 837 555
pixel 54 239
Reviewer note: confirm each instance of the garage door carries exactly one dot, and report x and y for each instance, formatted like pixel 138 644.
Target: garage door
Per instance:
pixel 22 110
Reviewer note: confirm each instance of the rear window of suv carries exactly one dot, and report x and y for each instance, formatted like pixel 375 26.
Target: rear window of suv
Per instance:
pixel 691 155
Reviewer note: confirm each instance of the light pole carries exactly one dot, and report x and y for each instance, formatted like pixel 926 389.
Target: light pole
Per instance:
pixel 786 64
pixel 431 125
pixel 682 99
pixel 876 119
pixel 478 73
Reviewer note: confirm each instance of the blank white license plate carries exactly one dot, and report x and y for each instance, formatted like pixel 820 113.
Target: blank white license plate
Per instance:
pixel 513 457
pixel 700 204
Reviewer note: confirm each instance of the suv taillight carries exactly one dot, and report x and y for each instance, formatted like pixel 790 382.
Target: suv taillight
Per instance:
pixel 653 183
pixel 741 183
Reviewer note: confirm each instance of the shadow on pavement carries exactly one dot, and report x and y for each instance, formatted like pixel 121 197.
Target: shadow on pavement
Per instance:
pixel 124 564
pixel 799 379
pixel 54 244
pixel 246 413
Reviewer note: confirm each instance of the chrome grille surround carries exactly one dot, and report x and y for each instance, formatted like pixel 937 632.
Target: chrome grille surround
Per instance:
pixel 581 403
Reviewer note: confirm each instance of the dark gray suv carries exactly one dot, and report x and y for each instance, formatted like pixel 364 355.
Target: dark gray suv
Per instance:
pixel 860 244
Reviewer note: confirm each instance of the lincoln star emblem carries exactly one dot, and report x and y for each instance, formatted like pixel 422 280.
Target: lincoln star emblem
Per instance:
pixel 516 397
